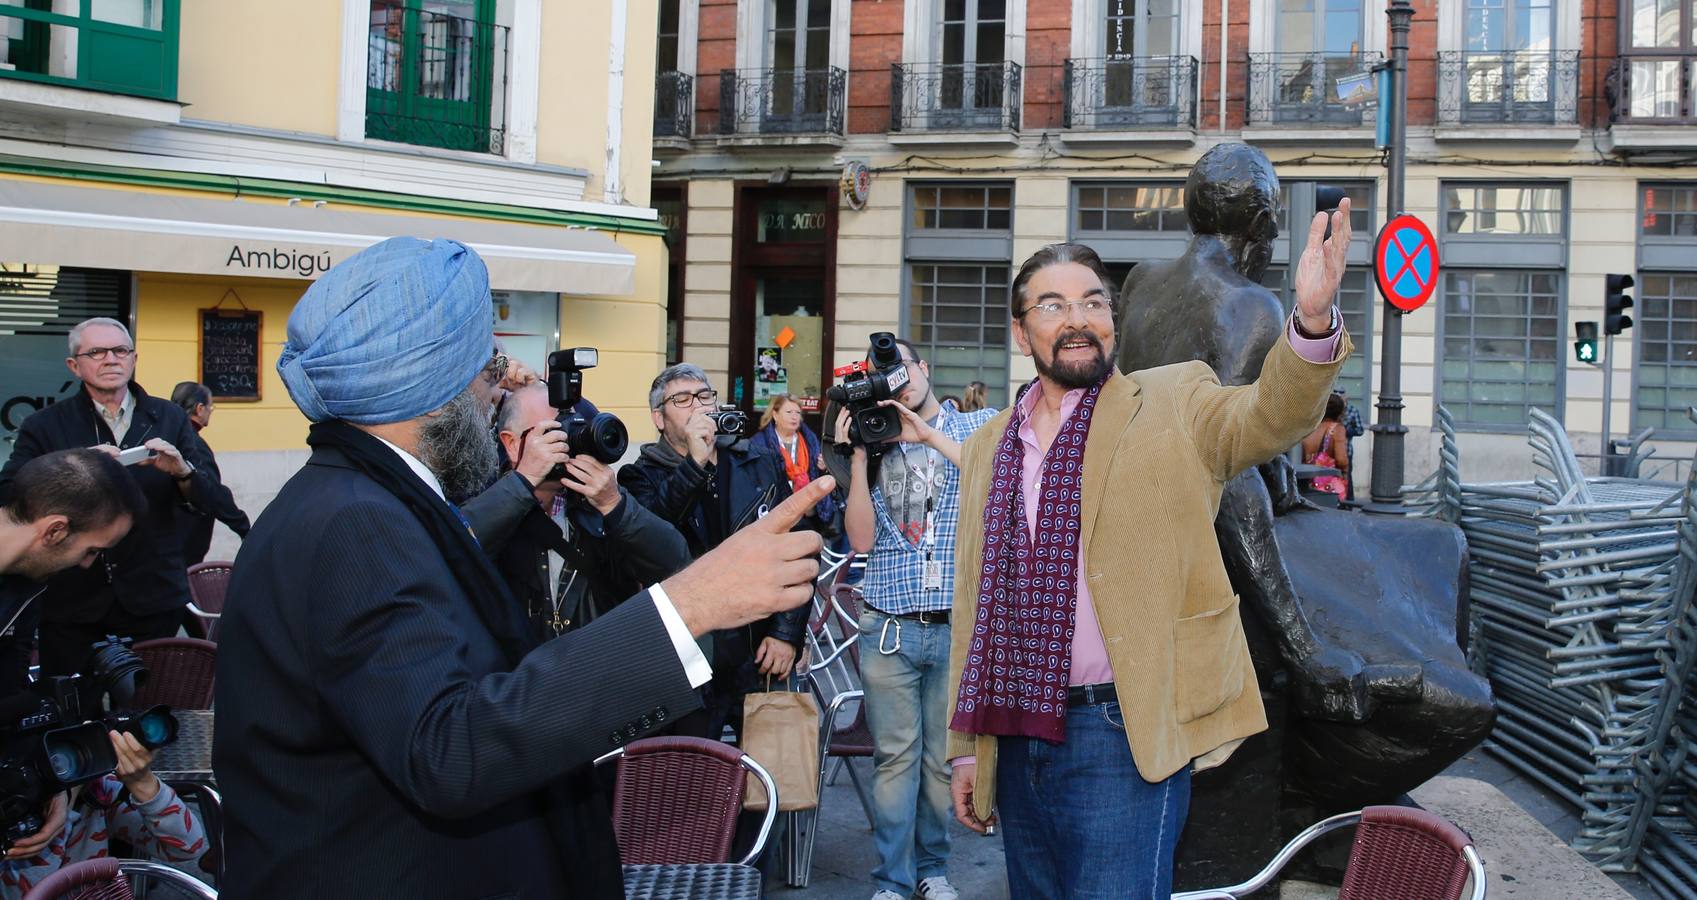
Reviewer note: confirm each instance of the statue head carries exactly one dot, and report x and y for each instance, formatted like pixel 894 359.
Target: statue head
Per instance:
pixel 1232 193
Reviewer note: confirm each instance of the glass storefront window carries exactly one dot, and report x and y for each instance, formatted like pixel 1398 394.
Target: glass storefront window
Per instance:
pixel 789 339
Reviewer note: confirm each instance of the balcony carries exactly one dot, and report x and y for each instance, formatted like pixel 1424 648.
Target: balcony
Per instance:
pixel 116 59
pixel 782 107
pixel 1654 104
pixel 956 103
pixel 1516 95
pixel 1129 100
pixel 436 80
pixel 1291 94
pixel 674 101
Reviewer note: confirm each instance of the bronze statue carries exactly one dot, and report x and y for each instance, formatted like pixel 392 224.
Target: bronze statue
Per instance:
pixel 1356 633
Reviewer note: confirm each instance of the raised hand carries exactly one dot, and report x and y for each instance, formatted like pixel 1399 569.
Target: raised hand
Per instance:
pixel 1321 268
pixel 762 569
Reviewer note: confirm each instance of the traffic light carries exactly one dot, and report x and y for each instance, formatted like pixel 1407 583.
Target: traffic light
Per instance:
pixel 1585 342
pixel 1615 303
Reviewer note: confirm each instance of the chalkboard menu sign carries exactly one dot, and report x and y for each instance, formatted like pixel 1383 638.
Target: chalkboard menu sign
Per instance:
pixel 229 353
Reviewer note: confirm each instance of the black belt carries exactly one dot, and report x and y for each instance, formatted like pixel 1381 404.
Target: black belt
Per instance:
pixel 1091 694
pixel 931 617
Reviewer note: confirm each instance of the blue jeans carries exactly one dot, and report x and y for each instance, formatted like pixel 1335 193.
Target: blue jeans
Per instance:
pixel 907 699
pixel 1079 821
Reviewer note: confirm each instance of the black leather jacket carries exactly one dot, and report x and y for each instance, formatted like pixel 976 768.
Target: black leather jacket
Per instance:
pixel 710 503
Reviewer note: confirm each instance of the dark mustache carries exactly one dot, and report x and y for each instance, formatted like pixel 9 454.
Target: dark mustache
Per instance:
pixel 1072 335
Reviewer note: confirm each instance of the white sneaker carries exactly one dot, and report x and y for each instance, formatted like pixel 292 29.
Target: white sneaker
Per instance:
pixel 887 895
pixel 937 887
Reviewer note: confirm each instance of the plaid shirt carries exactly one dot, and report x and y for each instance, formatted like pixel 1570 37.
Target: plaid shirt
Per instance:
pixel 895 570
pixel 1353 425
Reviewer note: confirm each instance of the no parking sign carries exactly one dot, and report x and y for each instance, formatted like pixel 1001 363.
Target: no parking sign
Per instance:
pixel 1405 262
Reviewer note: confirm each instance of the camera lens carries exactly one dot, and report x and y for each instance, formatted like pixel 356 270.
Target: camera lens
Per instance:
pixel 602 437
pixel 877 426
pixel 66 761
pixel 155 728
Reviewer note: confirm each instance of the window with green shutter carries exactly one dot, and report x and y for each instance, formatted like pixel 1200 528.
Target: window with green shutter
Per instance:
pixel 436 74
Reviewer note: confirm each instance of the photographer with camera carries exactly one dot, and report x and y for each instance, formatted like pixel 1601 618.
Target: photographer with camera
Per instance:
pixel 903 518
pixel 706 479
pixel 63 509
pixel 569 542
pixel 130 805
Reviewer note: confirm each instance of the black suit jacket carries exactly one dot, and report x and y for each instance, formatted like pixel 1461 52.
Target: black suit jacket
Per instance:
pixel 372 738
pixel 144 573
pixel 194 520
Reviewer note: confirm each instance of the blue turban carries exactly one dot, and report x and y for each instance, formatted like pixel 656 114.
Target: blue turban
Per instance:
pixel 389 334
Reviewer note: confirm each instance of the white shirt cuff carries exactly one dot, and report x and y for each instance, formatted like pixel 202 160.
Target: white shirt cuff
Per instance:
pixel 696 667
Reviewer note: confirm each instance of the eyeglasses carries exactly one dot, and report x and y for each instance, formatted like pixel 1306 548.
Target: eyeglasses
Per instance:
pixel 100 353
pixel 684 399
pixel 1055 310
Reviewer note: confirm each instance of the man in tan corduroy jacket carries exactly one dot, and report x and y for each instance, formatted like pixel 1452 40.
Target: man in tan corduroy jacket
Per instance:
pixel 1108 657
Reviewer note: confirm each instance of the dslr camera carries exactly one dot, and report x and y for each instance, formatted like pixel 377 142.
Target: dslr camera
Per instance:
pixel 602 436
pixel 865 385
pixel 728 419
pixel 47 746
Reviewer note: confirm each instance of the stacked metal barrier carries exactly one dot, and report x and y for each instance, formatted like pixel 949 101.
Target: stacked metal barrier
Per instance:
pixel 1668 857
pixel 1579 593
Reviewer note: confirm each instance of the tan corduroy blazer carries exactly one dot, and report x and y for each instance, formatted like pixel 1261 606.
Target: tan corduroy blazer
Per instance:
pixel 1163 443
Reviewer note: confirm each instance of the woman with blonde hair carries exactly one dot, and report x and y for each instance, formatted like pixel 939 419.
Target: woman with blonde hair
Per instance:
pixel 976 397
pixel 783 433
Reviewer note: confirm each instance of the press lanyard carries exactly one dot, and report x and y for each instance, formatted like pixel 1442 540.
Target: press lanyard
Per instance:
pixel 932 579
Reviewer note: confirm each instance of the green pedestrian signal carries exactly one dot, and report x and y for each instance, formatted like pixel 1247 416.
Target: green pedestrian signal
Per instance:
pixel 1585 342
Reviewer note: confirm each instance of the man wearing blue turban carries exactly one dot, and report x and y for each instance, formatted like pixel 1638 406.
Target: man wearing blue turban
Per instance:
pixel 386 727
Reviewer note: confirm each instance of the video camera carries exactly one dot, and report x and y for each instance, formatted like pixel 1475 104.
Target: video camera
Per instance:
pixel 864 387
pixel 46 745
pixel 602 436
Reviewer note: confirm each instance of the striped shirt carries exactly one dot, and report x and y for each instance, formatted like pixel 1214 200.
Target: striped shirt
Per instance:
pixel 895 570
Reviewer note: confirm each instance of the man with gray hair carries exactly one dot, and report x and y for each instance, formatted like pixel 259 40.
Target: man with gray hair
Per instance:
pixel 709 486
pixel 387 725
pixel 141 590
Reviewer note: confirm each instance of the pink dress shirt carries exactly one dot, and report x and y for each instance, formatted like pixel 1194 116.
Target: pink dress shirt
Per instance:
pixel 1090 663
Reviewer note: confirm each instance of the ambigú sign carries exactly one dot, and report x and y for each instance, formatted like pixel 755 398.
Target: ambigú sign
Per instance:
pixel 277 259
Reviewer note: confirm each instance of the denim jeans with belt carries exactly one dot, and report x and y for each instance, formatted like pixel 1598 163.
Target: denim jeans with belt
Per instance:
pixel 1079 822
pixel 907 698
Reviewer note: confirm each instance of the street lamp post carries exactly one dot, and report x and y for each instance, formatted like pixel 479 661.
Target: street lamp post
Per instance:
pixel 1388 431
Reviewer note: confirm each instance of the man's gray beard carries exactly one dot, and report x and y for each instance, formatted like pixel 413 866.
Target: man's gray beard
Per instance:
pixel 456 447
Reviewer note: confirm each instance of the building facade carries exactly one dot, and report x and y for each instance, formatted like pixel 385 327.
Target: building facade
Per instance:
pixel 191 167
pixel 1550 142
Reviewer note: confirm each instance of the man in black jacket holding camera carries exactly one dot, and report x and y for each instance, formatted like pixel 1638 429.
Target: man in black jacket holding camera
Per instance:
pixel 569 548
pixel 709 486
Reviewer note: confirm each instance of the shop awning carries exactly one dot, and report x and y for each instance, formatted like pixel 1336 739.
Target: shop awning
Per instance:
pixel 118 229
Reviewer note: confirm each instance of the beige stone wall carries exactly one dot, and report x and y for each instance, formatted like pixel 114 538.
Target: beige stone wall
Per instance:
pixel 707 279
pixel 269 65
pixel 572 99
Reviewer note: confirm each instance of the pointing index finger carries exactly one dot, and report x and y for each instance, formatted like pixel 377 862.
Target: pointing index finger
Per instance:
pixel 784 516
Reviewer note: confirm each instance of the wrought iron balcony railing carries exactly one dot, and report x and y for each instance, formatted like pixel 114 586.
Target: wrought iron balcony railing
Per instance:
pixel 955 96
pixel 436 80
pixel 1531 87
pixel 1115 94
pixel 782 101
pixel 121 49
pixel 674 100
pixel 1654 90
pixel 1309 88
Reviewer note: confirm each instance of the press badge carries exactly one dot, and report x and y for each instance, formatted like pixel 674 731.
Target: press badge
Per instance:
pixel 933 574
